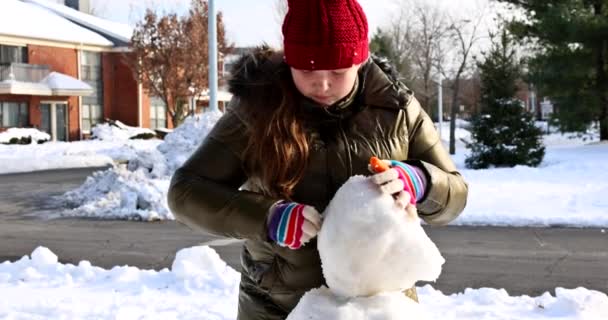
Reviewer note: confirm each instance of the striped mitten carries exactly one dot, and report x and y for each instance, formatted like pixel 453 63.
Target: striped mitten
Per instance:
pixel 414 179
pixel 292 225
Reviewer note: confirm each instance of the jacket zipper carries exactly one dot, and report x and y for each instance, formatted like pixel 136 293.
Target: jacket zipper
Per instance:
pixel 349 164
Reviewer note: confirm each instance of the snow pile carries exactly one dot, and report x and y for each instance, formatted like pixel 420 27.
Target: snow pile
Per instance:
pixel 118 131
pixel 182 142
pixel 41 288
pixel 118 193
pixel 19 133
pixel 496 304
pixel 139 189
pixel 201 286
pixel 205 265
pixel 371 250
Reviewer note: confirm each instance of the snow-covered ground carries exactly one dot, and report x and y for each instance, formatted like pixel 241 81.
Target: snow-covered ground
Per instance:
pixel 567 189
pixel 200 286
pixel 59 155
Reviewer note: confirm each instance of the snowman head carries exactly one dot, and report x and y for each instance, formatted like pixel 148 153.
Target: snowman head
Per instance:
pixel 369 245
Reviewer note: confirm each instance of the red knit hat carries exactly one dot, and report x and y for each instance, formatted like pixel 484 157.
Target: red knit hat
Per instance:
pixel 325 34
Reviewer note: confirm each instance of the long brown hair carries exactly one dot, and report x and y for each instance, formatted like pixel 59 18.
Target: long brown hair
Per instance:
pixel 277 152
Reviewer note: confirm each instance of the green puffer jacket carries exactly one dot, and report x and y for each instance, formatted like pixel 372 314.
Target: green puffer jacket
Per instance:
pixel 212 192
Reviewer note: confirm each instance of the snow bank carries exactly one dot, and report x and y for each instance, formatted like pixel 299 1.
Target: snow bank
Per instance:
pixel 39 287
pixel 118 131
pixel 497 304
pixel 118 193
pixel 138 190
pixel 182 142
pixel 200 286
pixel 18 133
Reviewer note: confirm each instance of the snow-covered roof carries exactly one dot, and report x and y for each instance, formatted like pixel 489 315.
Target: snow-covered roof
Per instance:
pixel 28 20
pixel 55 84
pixel 64 85
pixel 119 32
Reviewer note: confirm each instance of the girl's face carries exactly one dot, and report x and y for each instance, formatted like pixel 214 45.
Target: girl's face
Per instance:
pixel 325 87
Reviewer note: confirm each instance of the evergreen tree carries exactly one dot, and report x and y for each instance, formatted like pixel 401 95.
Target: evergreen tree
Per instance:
pixel 571 64
pixel 503 133
pixel 381 45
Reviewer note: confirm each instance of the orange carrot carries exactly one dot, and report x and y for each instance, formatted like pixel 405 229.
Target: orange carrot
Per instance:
pixel 378 165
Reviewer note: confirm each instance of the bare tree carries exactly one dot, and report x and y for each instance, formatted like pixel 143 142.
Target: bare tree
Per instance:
pixel 169 56
pixel 417 33
pixel 401 36
pixel 430 30
pixel 463 37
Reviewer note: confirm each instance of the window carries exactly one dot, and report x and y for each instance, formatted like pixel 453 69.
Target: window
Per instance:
pixel 14 114
pixel 92 105
pixel 91 115
pixel 13 54
pixel 158 113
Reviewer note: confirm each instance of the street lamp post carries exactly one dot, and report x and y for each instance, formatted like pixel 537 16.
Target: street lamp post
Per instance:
pixel 212 56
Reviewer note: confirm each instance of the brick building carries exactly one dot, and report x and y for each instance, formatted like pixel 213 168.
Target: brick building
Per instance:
pixel 62 71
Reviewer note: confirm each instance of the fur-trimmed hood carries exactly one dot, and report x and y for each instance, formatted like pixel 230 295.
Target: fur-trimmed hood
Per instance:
pixel 257 78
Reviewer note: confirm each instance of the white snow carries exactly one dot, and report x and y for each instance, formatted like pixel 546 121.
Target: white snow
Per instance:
pixel 200 286
pixel 58 155
pixel 566 189
pixel 118 193
pixel 113 29
pixel 180 143
pixel 138 190
pixel 371 250
pixel 47 26
pixel 322 303
pixel 55 83
pixel 59 82
pixel 117 131
pixel 570 184
pixel 18 133
pixel 41 288
pixel 392 250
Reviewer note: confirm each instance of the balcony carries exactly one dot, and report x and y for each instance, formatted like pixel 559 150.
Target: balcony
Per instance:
pixel 23 72
pixel 39 80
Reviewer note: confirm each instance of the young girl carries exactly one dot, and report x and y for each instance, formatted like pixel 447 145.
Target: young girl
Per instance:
pixel 301 123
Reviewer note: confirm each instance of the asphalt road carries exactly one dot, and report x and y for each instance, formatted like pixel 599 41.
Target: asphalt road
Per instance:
pixel 521 260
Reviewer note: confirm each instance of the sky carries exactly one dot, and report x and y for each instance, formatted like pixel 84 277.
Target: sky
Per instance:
pixel 253 22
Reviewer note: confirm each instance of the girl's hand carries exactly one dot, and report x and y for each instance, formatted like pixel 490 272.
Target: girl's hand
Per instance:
pixel 292 225
pixel 405 182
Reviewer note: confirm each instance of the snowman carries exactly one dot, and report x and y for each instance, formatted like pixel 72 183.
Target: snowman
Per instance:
pixel 371 251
